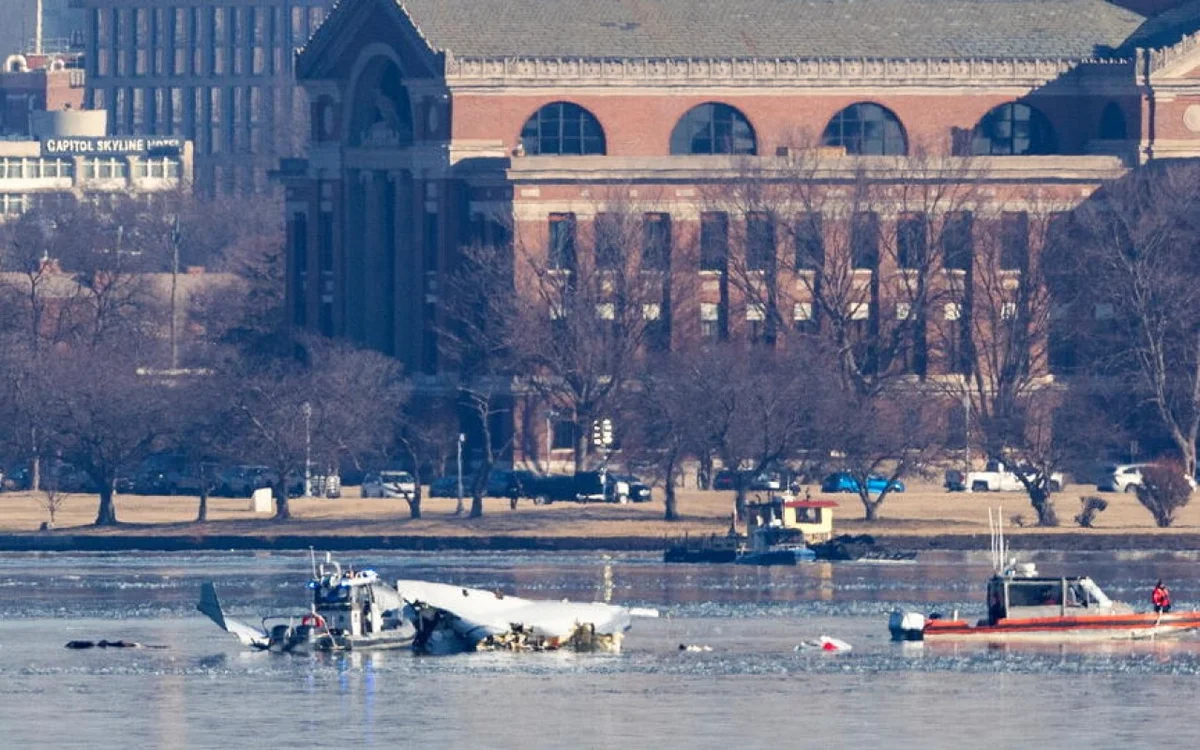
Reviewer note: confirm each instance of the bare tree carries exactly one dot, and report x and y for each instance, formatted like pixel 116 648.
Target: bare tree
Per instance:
pixel 101 415
pixel 1138 272
pixel 426 437
pixel 317 407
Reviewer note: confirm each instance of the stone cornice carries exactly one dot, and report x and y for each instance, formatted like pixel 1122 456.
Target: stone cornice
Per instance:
pixel 540 71
pixel 1158 60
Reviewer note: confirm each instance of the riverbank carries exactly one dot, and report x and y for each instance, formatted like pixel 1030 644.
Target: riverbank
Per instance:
pixel 921 519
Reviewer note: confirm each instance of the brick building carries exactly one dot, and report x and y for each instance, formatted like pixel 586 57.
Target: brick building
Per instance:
pixel 437 123
pixel 217 73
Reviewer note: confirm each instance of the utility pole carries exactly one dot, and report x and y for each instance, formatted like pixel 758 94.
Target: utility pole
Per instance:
pixel 306 408
pixel 174 290
pixel 967 438
pixel 461 439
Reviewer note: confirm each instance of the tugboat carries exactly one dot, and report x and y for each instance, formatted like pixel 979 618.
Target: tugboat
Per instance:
pixel 778 532
pixel 350 611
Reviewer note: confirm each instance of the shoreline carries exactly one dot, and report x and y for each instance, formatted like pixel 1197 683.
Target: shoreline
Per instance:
pixel 1043 542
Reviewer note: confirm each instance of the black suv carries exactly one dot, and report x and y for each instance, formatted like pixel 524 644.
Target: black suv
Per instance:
pixel 585 487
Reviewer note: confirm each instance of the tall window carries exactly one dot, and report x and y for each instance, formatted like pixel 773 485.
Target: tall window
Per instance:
pixel 1013 129
pixel 911 235
pixel 562 242
pixel 957 247
pixel 300 256
pixel 864 241
pixel 656 242
pixel 810 243
pixel 609 251
pixel 714 241
pixel 866 129
pixel 562 128
pixel 1014 240
pixel 713 129
pixel 1112 123
pixel 760 242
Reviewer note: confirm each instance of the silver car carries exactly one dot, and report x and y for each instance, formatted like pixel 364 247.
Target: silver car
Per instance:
pixel 389 483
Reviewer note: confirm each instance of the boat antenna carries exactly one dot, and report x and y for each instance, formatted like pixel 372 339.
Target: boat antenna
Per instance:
pixel 996 532
pixel 312 555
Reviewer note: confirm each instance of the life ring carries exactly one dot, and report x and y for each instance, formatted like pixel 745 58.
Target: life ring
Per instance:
pixel 312 619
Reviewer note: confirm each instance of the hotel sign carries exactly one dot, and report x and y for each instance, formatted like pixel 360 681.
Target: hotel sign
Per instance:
pixel 130 145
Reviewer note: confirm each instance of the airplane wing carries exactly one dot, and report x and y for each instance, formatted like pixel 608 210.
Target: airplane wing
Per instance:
pixel 211 606
pixel 475 614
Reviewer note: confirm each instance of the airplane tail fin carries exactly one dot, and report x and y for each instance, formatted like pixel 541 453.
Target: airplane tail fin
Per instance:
pixel 210 606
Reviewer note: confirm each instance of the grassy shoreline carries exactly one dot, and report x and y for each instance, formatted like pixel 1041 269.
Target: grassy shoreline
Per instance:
pixel 925 517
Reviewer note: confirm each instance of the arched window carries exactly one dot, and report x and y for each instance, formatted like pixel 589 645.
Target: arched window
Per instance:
pixel 866 129
pixel 1112 123
pixel 381 113
pixel 713 129
pixel 564 129
pixel 1013 129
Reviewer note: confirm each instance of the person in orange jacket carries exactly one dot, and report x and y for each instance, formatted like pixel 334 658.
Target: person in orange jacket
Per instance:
pixel 1160 598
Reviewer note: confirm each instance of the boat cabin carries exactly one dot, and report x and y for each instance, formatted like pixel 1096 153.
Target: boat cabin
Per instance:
pixel 1011 597
pixel 813 519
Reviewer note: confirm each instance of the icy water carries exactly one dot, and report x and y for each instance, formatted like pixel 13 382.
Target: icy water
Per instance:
pixel 752 690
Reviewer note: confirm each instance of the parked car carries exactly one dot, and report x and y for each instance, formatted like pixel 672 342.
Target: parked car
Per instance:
pixel 628 488
pixel 242 481
pixel 726 479
pixel 500 483
pixel 586 487
pixel 843 481
pixel 1121 478
pixel 996 477
pixel 389 483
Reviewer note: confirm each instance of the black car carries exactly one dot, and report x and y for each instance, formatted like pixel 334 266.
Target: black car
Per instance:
pixel 585 487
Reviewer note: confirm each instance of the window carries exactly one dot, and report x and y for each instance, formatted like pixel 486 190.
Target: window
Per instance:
pixel 713 129
pixel 866 129
pixel 810 243
pixel 609 253
pixel 714 241
pixel 606 311
pixel 1013 129
pixel 712 323
pixel 756 319
pixel 562 128
pixel 802 317
pixel 1112 123
pixel 957 247
pixel 562 435
pixel 562 242
pixel 12 204
pixel 163 167
pixel 760 242
pixel 864 241
pixel 860 310
pixel 299 230
pixel 911 235
pixel 656 242
pixel 99 168
pixel 952 311
pixel 1014 240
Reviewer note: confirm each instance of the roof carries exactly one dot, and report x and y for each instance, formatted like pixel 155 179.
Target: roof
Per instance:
pixel 1168 27
pixel 810 504
pixel 950 29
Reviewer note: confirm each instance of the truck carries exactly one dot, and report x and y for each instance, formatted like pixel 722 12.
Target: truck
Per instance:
pixel 996 477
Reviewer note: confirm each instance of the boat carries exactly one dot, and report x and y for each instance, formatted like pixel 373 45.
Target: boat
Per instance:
pixel 357 611
pixel 1025 606
pixel 781 531
pixel 351 610
pixel 1022 605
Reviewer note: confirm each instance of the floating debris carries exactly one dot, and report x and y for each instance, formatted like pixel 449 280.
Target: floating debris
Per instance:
pixel 694 648
pixel 108 644
pixel 824 643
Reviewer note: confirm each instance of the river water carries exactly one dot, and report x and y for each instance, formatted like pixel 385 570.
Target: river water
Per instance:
pixel 751 690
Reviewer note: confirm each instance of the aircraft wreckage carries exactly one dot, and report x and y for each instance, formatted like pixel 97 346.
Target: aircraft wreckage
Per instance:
pixel 356 610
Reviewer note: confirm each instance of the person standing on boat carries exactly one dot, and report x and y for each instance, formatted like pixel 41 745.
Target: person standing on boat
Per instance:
pixel 1160 598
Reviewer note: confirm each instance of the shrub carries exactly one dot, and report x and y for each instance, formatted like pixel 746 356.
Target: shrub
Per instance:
pixel 1092 507
pixel 1164 490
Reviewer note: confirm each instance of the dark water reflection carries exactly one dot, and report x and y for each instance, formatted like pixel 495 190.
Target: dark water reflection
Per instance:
pixel 751 690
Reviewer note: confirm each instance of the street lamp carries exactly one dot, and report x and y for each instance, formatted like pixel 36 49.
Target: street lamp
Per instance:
pixel 967 439
pixel 306 408
pixel 462 438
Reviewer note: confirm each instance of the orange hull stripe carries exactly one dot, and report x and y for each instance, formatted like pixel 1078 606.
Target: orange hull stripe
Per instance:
pixel 1096 622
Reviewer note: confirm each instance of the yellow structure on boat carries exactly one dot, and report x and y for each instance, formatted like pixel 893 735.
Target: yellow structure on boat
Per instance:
pixel 812 518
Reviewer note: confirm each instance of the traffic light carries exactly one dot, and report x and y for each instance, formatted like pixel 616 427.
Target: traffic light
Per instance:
pixel 602 434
